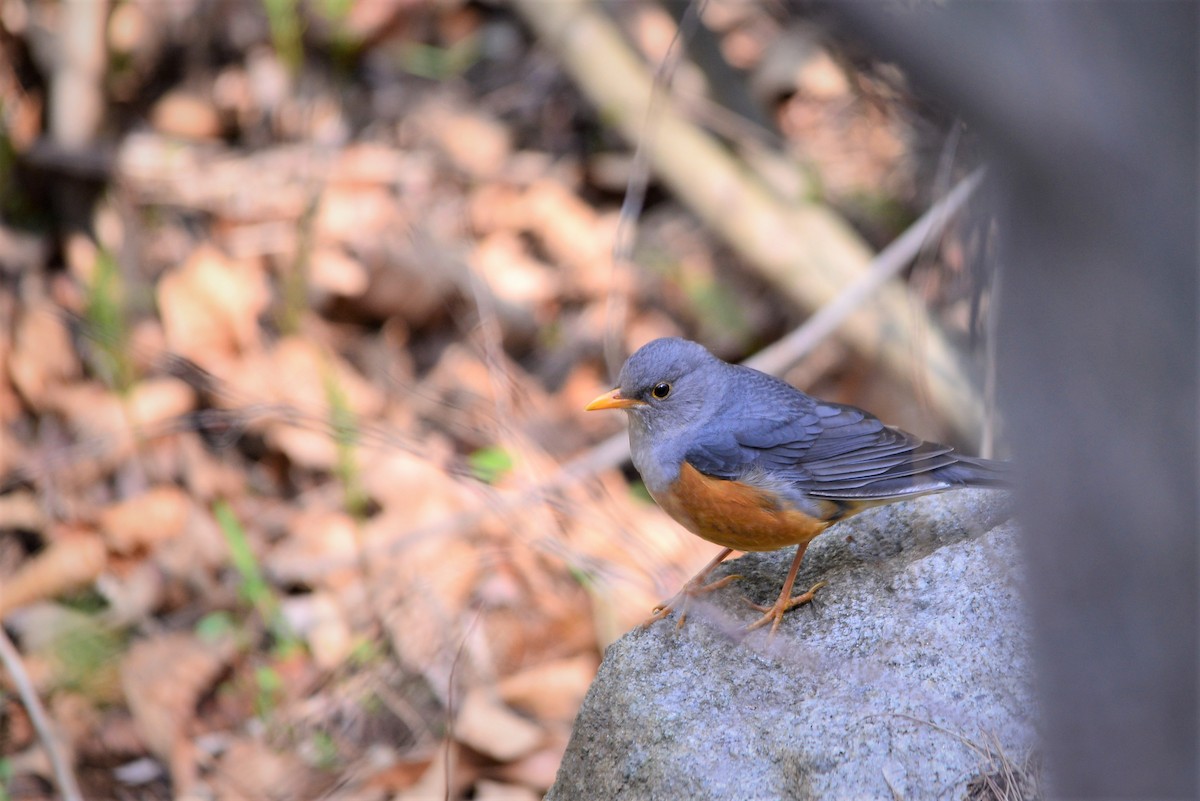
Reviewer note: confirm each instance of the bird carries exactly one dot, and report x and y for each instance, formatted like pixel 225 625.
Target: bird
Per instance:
pixel 749 462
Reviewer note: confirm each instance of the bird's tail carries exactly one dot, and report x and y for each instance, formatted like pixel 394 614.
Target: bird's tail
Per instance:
pixel 973 471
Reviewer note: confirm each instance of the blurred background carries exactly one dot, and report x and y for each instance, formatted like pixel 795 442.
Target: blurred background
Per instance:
pixel 300 304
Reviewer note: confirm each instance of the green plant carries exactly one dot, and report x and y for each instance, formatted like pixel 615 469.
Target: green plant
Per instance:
pixel 344 424
pixel 215 626
pixel 88 652
pixel 269 687
pixel 6 775
pixel 490 464
pixel 107 314
pixel 254 589
pixel 325 751
pixel 15 204
pixel 295 279
pixel 287 34
pixel 439 63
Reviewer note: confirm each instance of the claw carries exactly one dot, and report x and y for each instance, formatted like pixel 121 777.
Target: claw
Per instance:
pixel 774 612
pixel 695 586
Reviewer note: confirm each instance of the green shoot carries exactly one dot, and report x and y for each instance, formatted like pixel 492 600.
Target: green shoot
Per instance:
pixel 254 590
pixel 107 316
pixel 345 434
pixel 283 17
pixel 490 464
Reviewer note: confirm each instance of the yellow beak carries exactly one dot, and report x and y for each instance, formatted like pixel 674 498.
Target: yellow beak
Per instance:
pixel 612 400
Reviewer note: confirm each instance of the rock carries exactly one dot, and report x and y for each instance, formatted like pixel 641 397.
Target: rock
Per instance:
pixel 910 677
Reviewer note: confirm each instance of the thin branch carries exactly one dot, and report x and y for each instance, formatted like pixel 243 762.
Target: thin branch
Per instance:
pixel 63 774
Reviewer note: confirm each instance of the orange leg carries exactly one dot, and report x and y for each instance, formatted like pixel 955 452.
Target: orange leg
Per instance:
pixel 695 586
pixel 785 601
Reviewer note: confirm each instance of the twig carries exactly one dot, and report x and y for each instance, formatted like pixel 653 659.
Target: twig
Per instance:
pixel 63 774
pixel 639 181
pixel 891 260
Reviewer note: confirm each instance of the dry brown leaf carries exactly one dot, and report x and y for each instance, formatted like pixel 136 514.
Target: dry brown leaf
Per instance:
pixel 539 768
pixel 319 619
pixel 574 235
pixel 204 472
pixel 477 145
pixel 144 521
pixel 369 164
pixel 13 454
pixel 488 726
pixel 645 556
pixel 210 306
pixel 512 273
pixel 33 761
pixel 551 691
pixel 196 555
pixel 334 272
pixel 322 551
pixel 424 585
pixel 157 402
pixel 350 215
pixel 396 776
pixel 299 375
pixel 449 761
pixel 416 489
pixel 20 510
pixel 74 559
pixel 135 594
pixel 250 771
pixel 486 790
pixel 163 678
pixel 495 207
pixel 186 115
pixel 77 720
pixel 110 427
pixel 43 357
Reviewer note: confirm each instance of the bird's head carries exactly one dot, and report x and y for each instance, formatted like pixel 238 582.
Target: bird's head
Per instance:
pixel 666 384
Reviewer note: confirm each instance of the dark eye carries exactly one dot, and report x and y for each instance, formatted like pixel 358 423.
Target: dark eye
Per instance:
pixel 661 390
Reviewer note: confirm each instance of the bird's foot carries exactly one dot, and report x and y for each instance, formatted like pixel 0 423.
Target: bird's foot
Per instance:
pixel 683 599
pixel 774 612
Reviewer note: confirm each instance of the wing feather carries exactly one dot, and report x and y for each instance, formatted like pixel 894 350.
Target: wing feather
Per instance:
pixel 825 450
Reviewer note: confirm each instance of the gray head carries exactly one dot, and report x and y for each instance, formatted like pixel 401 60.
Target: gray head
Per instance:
pixel 666 384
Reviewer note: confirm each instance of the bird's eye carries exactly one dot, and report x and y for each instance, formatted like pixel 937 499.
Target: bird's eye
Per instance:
pixel 661 390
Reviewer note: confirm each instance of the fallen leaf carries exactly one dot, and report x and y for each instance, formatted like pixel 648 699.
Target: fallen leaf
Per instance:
pixel 210 306
pixel 450 761
pixel 424 583
pixel 320 621
pixel 397 776
pixel 43 357
pixel 573 234
pixel 322 551
pixel 74 559
pixel 513 274
pixel 249 770
pixel 335 272
pixel 164 678
pixel 491 728
pixel 486 790
pixel 349 215
pixel 552 690
pixel 186 115
pixel 476 144
pixel 144 521
pixel 21 511
pixel 540 768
